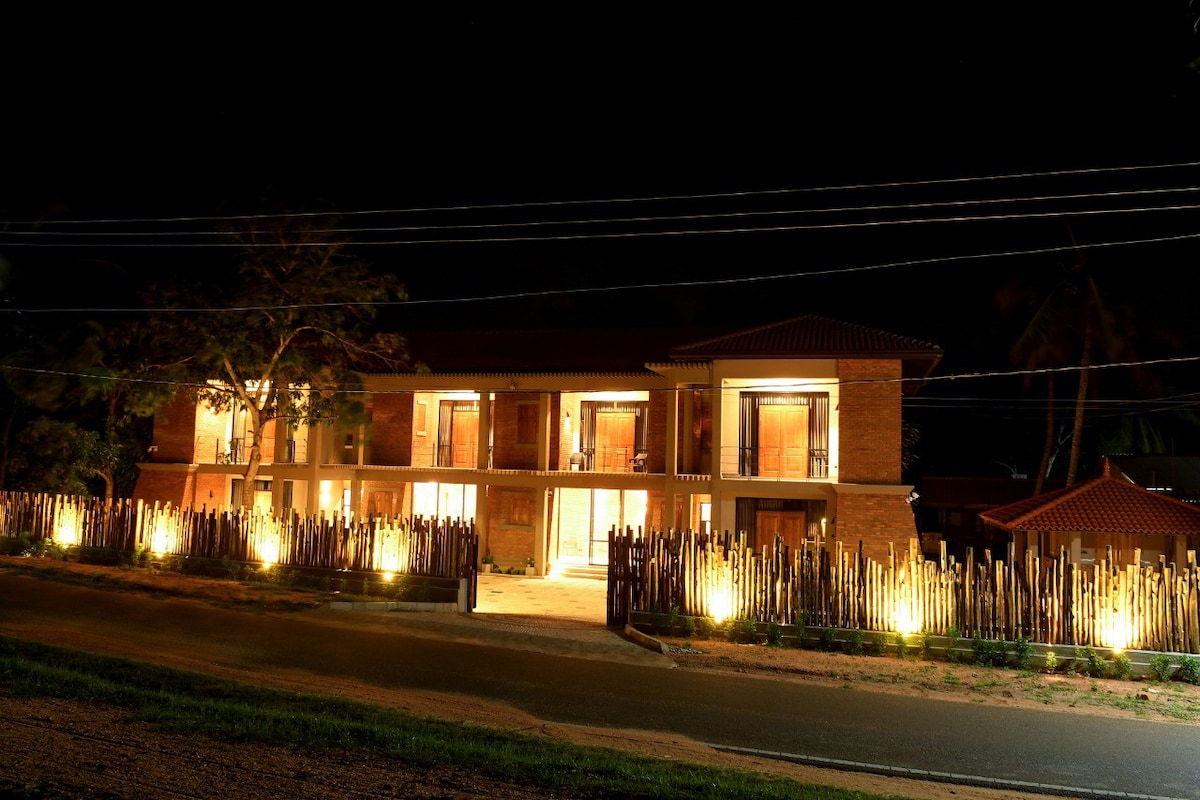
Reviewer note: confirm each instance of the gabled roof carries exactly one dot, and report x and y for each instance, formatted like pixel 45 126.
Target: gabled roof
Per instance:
pixel 812 336
pixel 630 349
pixel 1106 504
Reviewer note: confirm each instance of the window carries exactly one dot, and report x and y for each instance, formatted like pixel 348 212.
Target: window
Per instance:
pixel 421 414
pixel 784 434
pixel 527 423
pixel 520 509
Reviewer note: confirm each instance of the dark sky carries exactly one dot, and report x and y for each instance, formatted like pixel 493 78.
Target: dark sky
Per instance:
pixel 119 118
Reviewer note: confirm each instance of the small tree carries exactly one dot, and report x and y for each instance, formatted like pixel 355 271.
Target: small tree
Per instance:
pixel 285 333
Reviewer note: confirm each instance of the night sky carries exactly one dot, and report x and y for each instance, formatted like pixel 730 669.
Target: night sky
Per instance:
pixel 746 119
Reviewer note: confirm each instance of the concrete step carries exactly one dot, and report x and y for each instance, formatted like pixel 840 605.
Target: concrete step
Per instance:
pixel 594 571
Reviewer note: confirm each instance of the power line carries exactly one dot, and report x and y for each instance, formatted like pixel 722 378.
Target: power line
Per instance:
pixel 645 198
pixel 566 237
pixel 663 217
pixel 544 293
pixel 963 376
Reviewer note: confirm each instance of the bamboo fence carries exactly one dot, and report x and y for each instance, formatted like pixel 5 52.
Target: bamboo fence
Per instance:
pixel 1050 600
pixel 413 546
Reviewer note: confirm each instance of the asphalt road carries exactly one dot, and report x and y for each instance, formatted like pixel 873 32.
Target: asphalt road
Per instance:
pixel 1013 747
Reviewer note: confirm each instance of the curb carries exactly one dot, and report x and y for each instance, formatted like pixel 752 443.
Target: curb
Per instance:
pixel 346 605
pixel 644 640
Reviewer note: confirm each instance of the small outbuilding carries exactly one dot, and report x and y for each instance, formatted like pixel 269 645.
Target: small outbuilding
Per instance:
pixel 1106 511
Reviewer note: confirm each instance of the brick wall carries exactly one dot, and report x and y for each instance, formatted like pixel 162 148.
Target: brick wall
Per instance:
pixel 656 431
pixel 869 421
pixel 509 539
pixel 875 520
pixel 391 430
pixel 175 432
pixel 211 491
pixel 175 486
pixel 508 452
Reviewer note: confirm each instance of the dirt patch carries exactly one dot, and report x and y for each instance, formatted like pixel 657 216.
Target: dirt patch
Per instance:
pixel 1064 690
pixel 59 749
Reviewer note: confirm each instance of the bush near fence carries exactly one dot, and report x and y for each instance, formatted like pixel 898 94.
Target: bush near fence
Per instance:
pixel 413 546
pixel 1049 600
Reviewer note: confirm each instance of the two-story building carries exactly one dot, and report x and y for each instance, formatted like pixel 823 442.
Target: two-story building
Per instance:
pixel 548 439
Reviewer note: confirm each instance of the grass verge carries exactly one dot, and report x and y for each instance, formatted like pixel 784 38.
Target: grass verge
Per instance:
pixel 193 702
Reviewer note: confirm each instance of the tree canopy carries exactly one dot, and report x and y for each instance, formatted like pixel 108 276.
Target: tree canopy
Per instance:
pixel 283 331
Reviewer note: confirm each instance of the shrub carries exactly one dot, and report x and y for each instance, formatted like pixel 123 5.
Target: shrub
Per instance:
pixel 953 635
pixel 1024 647
pixel 1092 662
pixel 855 646
pixel 658 620
pixel 801 628
pixel 1189 669
pixel 901 646
pixel 926 645
pixel 877 644
pixel 705 627
pixel 1161 665
pixel 14 545
pixel 45 548
pixel 990 653
pixel 1051 661
pixel 689 627
pixel 827 641
pixel 672 620
pixel 1121 667
pixel 774 634
pixel 742 630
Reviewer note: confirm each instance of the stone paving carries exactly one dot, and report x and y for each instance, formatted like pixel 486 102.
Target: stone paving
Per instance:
pixel 581 599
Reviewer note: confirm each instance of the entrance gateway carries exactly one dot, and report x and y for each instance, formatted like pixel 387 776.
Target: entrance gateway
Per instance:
pixel 583 519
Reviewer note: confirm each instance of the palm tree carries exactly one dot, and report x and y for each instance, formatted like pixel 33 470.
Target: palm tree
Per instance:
pixel 1068 322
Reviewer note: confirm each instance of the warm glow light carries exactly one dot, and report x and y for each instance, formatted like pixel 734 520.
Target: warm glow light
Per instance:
pixel 162 541
pixel 720 599
pixel 903 622
pixel 268 547
pixel 66 531
pixel 722 607
pixel 388 576
pixel 1115 634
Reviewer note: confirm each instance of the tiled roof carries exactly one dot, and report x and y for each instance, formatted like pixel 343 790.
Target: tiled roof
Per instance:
pixel 809 337
pixel 631 349
pixel 818 337
pixel 1105 504
pixel 546 350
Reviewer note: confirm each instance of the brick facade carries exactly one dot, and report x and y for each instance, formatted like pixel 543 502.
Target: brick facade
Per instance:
pixel 175 432
pixel 509 451
pixel 876 520
pixel 869 421
pixel 175 486
pixel 510 537
pixel 390 434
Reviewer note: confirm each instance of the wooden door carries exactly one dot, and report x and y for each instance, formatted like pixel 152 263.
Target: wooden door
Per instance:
pixel 783 441
pixel 464 439
pixel 791 525
pixel 616 433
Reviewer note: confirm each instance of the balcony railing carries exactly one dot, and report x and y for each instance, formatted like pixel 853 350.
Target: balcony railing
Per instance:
pixel 785 462
pixel 237 451
pixel 612 459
